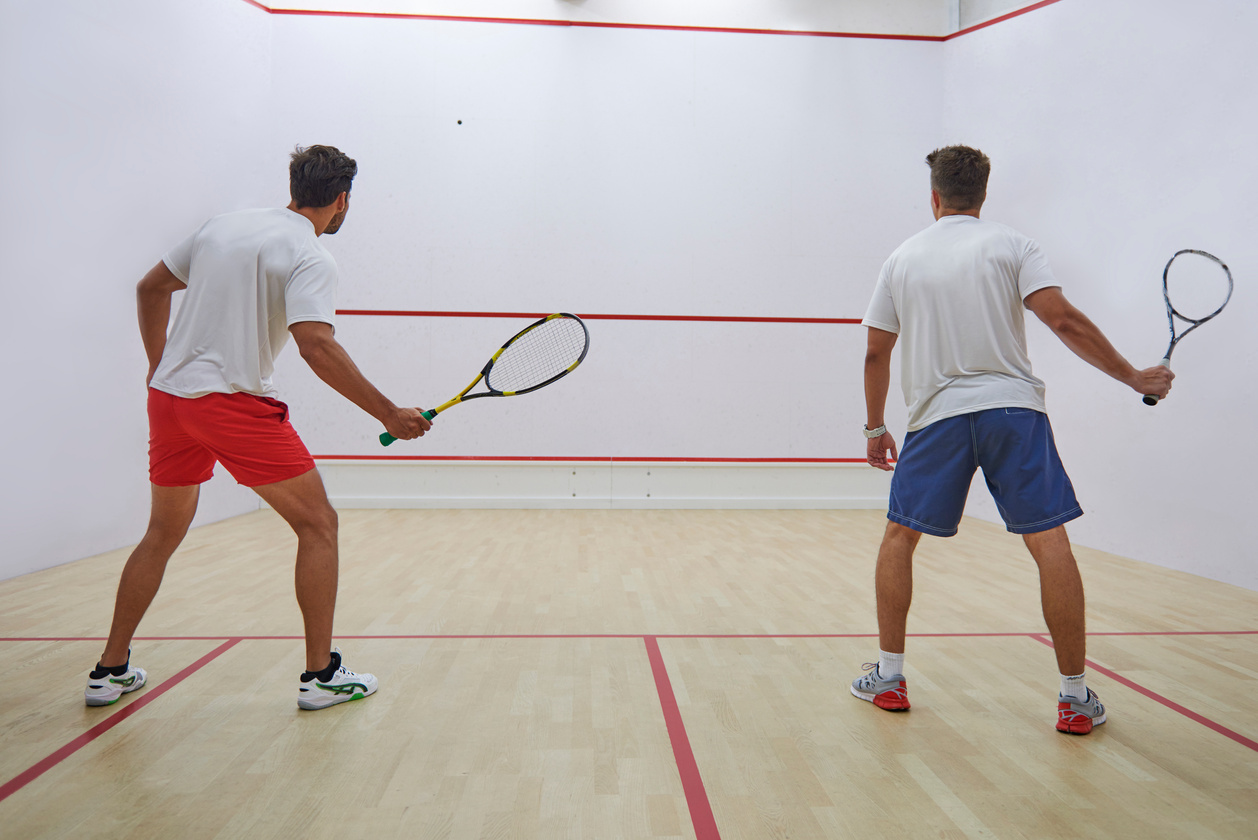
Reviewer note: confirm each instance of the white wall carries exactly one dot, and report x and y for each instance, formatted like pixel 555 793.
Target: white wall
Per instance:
pixel 631 172
pixel 124 125
pixel 604 171
pixel 1120 132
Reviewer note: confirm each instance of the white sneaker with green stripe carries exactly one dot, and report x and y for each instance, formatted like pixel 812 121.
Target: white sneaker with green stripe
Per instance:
pixel 104 687
pixel 344 685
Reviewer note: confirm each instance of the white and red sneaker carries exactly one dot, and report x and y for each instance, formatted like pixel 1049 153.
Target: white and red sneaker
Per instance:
pixel 890 693
pixel 1078 718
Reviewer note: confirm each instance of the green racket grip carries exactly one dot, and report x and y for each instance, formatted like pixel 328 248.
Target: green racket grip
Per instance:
pixel 386 438
pixel 1153 399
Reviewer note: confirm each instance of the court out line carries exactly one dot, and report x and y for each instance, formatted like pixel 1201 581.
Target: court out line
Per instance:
pixel 591 24
pixel 1165 701
pixel 691 781
pixel 50 761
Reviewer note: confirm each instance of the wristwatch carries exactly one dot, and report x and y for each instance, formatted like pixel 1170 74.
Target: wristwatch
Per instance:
pixel 874 433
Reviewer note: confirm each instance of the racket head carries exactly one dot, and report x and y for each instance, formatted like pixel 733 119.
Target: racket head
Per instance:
pixel 1196 285
pixel 539 354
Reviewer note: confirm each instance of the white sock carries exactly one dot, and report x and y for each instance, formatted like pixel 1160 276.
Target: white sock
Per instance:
pixel 1074 688
pixel 890 664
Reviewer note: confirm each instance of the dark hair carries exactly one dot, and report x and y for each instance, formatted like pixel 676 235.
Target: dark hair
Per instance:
pixel 959 175
pixel 318 174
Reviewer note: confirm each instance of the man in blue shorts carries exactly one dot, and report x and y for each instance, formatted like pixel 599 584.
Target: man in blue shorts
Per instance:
pixel 955 294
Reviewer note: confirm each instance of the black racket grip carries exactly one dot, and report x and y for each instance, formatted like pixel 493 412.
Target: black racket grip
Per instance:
pixel 1153 399
pixel 386 438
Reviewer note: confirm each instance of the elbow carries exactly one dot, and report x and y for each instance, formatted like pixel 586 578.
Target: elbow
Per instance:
pixel 313 353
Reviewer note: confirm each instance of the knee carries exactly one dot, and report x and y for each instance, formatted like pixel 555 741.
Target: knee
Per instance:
pixel 323 524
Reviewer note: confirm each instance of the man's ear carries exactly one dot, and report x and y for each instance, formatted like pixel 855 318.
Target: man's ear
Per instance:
pixel 342 201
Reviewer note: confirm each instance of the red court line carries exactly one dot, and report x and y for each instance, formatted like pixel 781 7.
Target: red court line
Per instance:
pixel 38 769
pixel 1009 635
pixel 1168 703
pixel 691 781
pixel 743 319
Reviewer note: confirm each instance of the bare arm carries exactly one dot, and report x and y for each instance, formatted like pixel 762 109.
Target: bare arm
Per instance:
pixel 152 298
pixel 331 363
pixel 877 383
pixel 1087 342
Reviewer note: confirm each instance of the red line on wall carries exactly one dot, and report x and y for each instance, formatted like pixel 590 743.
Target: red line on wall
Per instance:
pixel 1170 704
pixel 729 30
pixel 41 767
pixel 584 459
pixel 691 781
pixel 1018 13
pixel 590 24
pixel 418 313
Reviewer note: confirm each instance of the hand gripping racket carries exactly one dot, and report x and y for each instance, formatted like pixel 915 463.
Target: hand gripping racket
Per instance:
pixel 1198 284
pixel 539 354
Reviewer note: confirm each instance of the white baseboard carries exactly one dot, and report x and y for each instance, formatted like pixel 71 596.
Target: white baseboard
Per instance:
pixel 603 485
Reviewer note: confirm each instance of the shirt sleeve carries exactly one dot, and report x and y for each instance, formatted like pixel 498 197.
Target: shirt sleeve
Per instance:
pixel 179 258
pixel 881 313
pixel 310 294
pixel 1034 273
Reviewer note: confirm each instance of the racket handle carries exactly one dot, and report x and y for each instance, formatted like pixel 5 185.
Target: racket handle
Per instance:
pixel 386 438
pixel 1153 399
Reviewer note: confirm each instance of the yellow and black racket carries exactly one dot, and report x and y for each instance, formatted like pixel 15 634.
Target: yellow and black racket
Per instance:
pixel 539 354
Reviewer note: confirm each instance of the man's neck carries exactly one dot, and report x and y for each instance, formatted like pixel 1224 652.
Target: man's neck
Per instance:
pixel 318 216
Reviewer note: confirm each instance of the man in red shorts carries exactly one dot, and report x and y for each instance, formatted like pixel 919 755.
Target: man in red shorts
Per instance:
pixel 252 278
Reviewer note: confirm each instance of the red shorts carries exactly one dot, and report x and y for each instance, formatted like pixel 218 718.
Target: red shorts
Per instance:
pixel 249 435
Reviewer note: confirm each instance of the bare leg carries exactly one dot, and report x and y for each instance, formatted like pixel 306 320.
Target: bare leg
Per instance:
pixel 893 581
pixel 1061 592
pixel 304 504
pixel 173 509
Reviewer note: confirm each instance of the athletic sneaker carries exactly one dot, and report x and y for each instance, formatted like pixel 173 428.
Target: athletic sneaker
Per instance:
pixel 1078 718
pixel 105 687
pixel 890 693
pixel 343 685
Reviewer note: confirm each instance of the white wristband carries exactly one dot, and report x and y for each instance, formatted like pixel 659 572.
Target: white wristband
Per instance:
pixel 874 433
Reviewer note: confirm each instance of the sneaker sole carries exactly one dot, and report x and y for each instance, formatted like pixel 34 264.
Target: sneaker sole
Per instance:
pixel 104 700
pixel 886 701
pixel 1083 727
pixel 325 702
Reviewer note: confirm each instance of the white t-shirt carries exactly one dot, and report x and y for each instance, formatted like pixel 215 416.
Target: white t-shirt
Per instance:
pixel 250 275
pixel 954 294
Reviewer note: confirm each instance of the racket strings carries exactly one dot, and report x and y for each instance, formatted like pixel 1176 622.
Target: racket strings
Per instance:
pixel 538 355
pixel 1196 285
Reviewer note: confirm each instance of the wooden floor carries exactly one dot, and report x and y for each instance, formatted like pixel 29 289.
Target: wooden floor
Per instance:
pixel 625 674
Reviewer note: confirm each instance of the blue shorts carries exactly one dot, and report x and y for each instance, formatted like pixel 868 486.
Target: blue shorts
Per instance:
pixel 1015 448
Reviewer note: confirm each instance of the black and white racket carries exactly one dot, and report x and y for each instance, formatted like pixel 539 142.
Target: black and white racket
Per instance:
pixel 1199 281
pixel 541 353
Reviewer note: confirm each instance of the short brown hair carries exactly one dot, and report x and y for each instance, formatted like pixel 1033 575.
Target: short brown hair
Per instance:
pixel 318 174
pixel 959 175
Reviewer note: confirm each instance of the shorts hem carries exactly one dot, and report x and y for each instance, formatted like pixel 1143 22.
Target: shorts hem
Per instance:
pixel 156 483
pixel 922 527
pixel 253 482
pixel 1046 524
